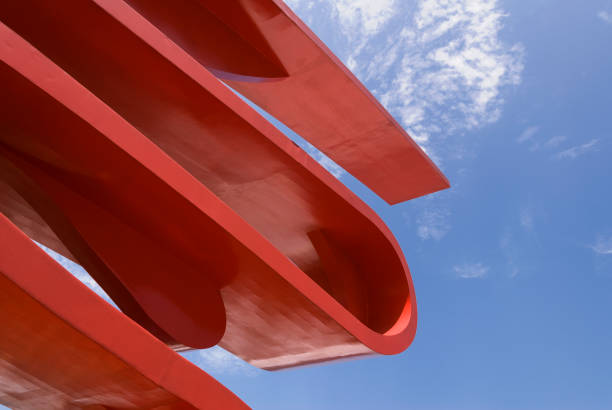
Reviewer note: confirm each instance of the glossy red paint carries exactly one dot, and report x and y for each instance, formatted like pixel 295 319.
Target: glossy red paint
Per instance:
pixel 121 149
pixel 62 346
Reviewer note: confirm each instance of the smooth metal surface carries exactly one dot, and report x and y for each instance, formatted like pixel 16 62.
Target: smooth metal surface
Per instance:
pixel 121 149
pixel 63 347
pixel 318 97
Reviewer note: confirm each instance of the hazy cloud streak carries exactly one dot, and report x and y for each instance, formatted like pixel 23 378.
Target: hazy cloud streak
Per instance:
pixel 578 150
pixel 605 16
pixel 471 271
pixel 603 246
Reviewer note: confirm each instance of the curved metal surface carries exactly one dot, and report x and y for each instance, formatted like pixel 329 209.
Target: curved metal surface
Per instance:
pixel 319 98
pixel 201 220
pixel 53 355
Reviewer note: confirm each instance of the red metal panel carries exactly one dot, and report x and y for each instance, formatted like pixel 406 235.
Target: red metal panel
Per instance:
pixel 205 224
pixel 272 283
pixel 319 98
pixel 62 346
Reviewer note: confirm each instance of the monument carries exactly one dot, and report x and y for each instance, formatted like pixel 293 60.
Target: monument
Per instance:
pixel 125 147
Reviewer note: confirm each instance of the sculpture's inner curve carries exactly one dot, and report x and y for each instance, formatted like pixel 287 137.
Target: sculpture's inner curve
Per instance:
pixel 173 117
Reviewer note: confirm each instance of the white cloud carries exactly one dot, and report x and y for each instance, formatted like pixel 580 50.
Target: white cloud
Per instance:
pixel 438 66
pixel 326 162
pixel 358 18
pixel 330 165
pixel 530 132
pixel 603 246
pixel 605 16
pixel 218 360
pixel 451 66
pixel 367 16
pixel 471 271
pixel 527 134
pixel 555 141
pixel 578 150
pixel 433 224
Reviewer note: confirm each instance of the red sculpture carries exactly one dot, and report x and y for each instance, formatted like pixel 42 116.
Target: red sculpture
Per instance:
pixel 121 149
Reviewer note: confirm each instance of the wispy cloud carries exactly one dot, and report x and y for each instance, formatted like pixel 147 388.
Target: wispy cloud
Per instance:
pixel 605 16
pixel 603 246
pixel 536 144
pixel 326 162
pixel 220 361
pixel 555 141
pixel 364 16
pixel 358 19
pixel 471 271
pixel 527 134
pixel 451 68
pixel 578 150
pixel 433 223
pixel 437 65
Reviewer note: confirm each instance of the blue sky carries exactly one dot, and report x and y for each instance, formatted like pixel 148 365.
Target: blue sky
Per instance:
pixel 513 265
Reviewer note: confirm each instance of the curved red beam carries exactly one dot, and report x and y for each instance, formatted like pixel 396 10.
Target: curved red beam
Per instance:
pixel 202 221
pixel 62 346
pixel 319 98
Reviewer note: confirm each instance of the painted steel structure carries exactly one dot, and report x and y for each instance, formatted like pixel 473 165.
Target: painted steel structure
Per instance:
pixel 122 149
